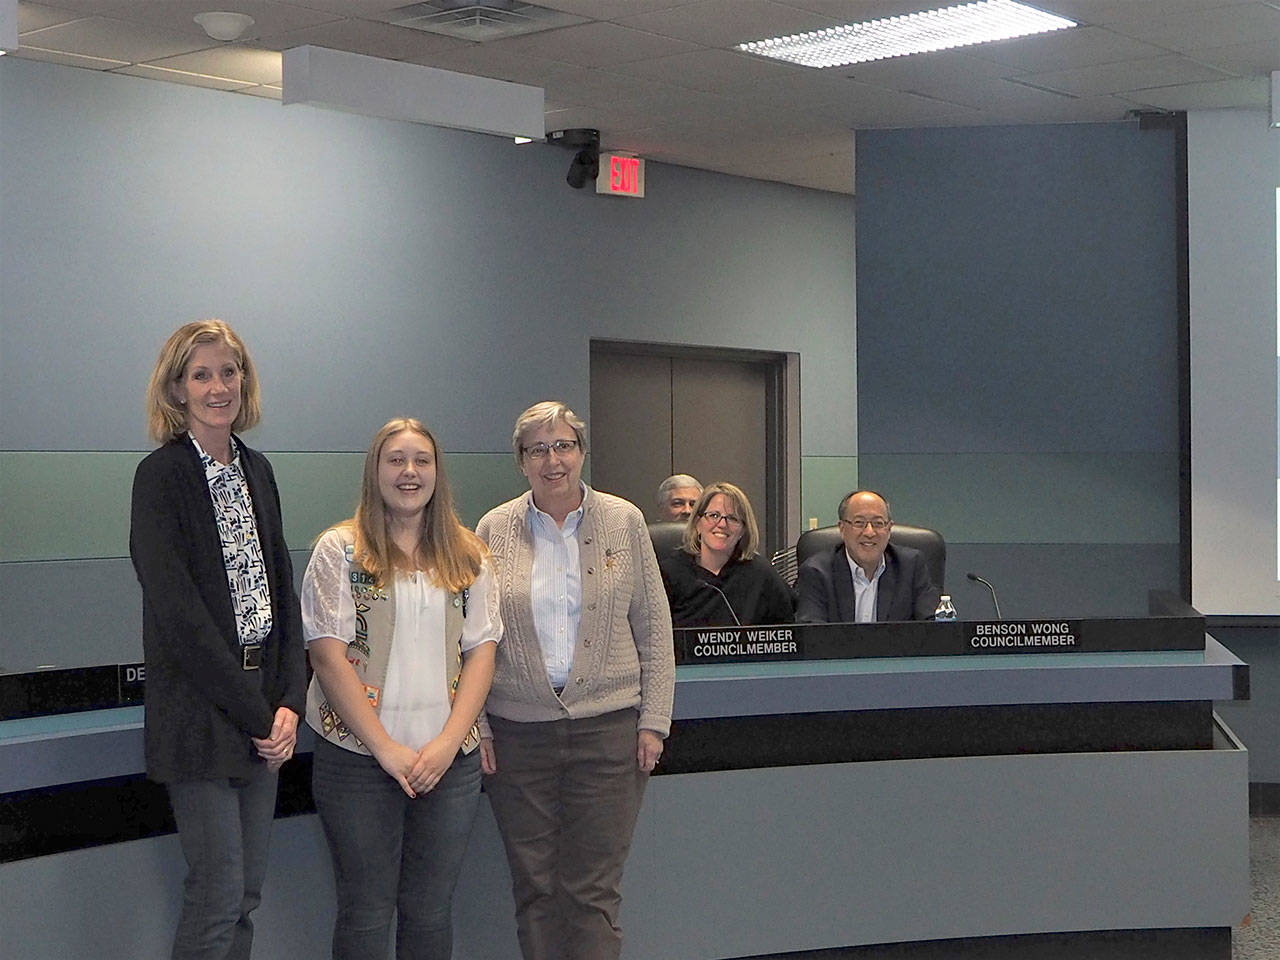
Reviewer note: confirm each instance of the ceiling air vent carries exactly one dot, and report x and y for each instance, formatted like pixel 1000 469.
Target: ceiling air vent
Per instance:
pixel 467 20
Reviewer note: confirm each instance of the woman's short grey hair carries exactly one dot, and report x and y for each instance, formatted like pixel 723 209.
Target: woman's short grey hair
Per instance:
pixel 546 414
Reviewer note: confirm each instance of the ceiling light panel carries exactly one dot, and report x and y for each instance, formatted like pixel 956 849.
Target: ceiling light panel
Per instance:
pixel 923 32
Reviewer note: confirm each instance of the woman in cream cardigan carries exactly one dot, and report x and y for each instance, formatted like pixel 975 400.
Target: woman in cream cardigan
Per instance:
pixel 581 697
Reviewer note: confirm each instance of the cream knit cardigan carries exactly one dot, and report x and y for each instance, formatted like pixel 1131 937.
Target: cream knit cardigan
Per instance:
pixel 624 655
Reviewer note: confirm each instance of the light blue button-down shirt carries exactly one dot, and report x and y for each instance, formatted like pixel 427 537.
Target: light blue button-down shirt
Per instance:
pixel 864 591
pixel 556 589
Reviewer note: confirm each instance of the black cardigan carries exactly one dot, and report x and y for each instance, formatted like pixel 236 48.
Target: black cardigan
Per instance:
pixel 201 705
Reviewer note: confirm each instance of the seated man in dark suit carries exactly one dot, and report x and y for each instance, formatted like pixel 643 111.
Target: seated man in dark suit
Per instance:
pixel 866 578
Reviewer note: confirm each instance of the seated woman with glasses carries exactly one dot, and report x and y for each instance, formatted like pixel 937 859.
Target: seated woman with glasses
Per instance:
pixel 715 578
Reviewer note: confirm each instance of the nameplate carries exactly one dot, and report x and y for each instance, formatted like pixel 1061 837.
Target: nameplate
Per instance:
pixel 848 641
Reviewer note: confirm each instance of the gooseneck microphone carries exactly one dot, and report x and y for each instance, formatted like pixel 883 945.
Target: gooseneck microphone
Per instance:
pixel 712 586
pixel 987 583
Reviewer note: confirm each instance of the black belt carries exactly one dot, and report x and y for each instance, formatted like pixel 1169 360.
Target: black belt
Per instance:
pixel 251 656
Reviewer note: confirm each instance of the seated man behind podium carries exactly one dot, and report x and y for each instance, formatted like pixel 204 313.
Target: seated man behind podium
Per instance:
pixel 865 579
pixel 677 496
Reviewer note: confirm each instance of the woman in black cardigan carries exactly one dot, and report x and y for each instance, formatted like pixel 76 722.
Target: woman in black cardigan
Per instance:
pixel 220 630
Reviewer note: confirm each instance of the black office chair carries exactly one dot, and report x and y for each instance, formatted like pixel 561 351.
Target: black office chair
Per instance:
pixel 666 536
pixel 929 542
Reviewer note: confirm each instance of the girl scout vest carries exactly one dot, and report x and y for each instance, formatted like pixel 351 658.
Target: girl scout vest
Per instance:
pixel 370 650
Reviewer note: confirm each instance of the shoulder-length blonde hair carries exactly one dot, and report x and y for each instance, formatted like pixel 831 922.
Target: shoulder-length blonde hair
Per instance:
pixel 748 544
pixel 449 552
pixel 166 418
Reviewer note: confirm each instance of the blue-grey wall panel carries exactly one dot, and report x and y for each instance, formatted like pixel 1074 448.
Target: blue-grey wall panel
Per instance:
pixel 1060 579
pixel 76 613
pixel 1017 289
pixel 374 267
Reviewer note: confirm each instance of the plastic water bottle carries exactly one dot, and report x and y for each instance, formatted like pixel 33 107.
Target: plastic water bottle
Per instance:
pixel 946 609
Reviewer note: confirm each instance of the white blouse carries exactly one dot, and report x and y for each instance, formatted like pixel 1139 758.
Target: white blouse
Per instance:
pixel 415 699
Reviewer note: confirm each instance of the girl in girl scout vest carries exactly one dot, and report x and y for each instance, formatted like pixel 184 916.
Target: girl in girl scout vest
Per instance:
pixel 400 615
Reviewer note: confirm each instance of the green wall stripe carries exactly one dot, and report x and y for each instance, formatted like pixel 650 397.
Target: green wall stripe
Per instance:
pixel 61 505
pixel 65 506
pixel 1032 498
pixel 823 481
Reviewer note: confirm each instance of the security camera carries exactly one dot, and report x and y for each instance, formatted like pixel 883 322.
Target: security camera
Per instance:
pixel 585 141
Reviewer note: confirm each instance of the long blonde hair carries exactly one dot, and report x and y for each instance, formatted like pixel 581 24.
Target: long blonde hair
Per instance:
pixel 449 552
pixel 166 418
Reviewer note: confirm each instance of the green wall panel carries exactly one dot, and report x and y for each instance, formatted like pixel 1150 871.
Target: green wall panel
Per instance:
pixel 823 481
pixel 64 506
pixel 1032 498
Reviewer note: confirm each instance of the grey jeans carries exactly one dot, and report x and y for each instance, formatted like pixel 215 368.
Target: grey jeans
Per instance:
pixel 394 858
pixel 224 827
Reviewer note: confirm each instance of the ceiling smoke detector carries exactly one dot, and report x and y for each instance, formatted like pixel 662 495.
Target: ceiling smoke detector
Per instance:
pixel 224 25
pixel 468 20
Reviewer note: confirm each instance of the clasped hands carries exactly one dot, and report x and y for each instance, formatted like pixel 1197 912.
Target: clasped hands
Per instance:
pixel 417 771
pixel 278 746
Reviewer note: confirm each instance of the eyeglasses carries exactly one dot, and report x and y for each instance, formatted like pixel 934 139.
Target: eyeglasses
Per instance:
pixel 715 516
pixel 540 451
pixel 875 523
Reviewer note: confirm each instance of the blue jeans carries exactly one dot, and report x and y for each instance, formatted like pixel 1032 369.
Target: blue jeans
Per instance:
pixel 393 856
pixel 224 827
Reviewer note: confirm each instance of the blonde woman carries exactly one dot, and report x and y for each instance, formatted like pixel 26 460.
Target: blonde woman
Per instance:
pixel 221 630
pixel 401 620
pixel 716 576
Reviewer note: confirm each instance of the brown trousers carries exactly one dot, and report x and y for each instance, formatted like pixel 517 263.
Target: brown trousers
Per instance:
pixel 566 797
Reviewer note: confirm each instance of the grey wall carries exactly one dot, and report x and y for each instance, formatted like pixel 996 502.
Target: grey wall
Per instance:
pixel 371 264
pixel 374 268
pixel 1017 369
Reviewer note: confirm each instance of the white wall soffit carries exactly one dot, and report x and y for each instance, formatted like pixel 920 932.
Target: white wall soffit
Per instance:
pixel 8 24
pixel 406 91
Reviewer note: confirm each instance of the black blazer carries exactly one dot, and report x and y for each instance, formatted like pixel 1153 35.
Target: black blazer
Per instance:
pixel 825 587
pixel 201 705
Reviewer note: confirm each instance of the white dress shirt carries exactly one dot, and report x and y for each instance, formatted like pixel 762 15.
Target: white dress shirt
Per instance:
pixel 864 590
pixel 555 589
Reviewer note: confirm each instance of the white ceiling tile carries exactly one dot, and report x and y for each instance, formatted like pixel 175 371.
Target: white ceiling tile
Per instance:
pixel 114 39
pixel 1064 49
pixel 610 9
pixel 593 45
pixel 864 105
pixel 725 23
pixel 1121 77
pixel 266 91
pixel 233 62
pixel 729 73
pixel 352 8
pixel 68 59
pixel 1103 12
pixel 177 15
pixel 179 76
pixel 1245 59
pixel 1216 27
pixel 1237 92
pixel 925 73
pixel 34 16
pixel 367 37
pixel 857 11
pixel 1105 109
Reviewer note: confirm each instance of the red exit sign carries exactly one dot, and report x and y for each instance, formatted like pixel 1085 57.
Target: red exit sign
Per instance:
pixel 620 176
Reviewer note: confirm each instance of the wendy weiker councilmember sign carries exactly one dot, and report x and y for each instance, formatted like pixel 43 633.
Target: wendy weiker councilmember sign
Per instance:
pixel 844 641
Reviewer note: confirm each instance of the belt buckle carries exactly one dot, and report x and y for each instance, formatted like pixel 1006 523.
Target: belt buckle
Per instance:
pixel 251 656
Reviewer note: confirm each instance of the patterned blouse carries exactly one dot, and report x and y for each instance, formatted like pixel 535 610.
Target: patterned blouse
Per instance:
pixel 241 549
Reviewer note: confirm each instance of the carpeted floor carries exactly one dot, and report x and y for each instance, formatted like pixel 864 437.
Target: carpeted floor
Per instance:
pixel 1260 938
